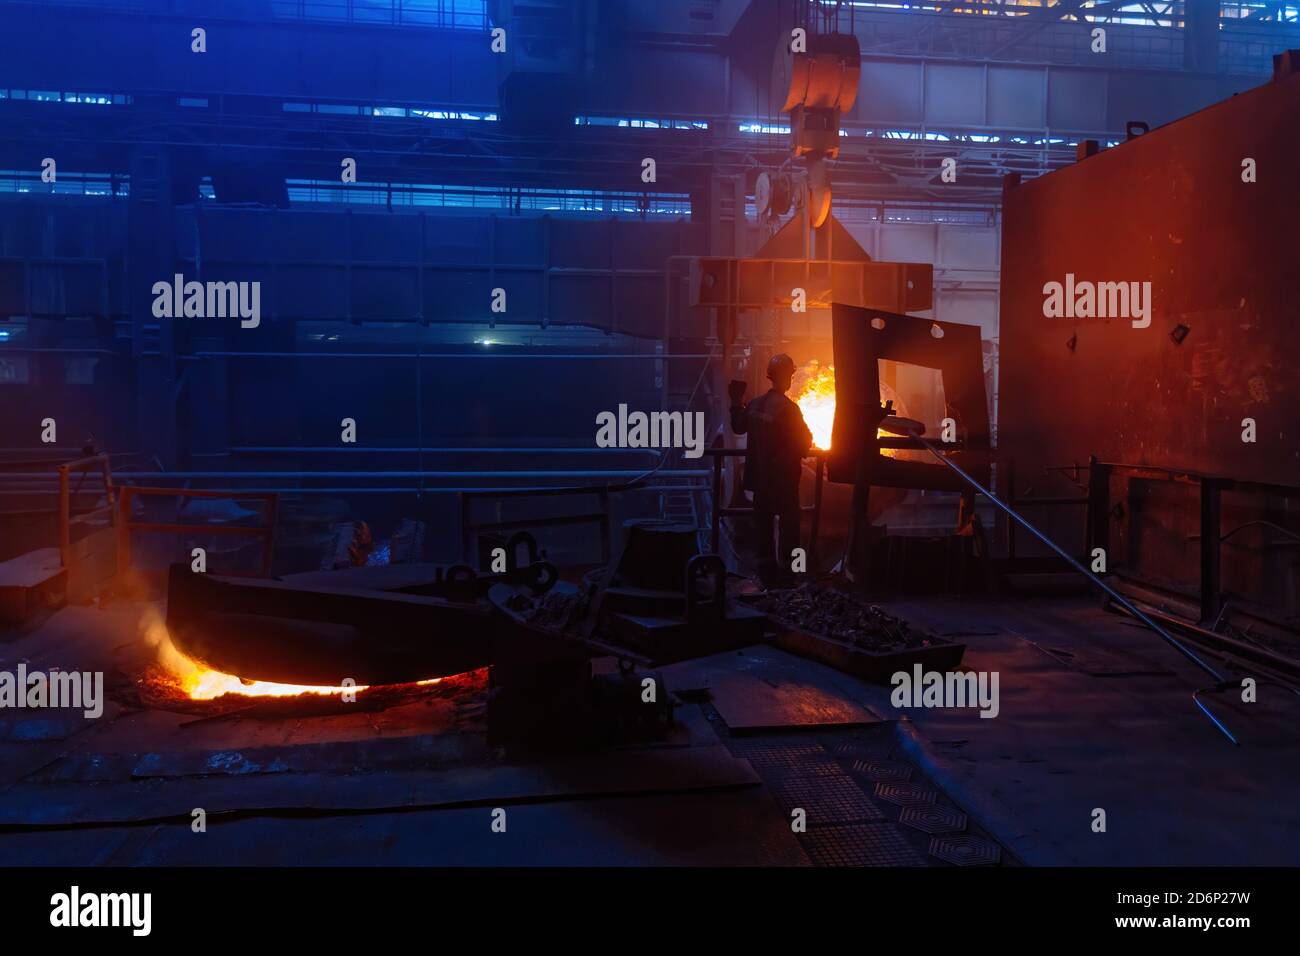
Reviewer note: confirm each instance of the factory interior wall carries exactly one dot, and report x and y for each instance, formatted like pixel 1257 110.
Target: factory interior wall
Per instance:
pixel 361 271
pixel 346 281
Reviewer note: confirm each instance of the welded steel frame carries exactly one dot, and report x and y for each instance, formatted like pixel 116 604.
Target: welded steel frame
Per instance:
pixel 1210 489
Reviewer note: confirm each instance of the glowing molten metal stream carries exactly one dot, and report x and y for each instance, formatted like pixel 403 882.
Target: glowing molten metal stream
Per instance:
pixel 200 682
pixel 814 388
pixel 814 393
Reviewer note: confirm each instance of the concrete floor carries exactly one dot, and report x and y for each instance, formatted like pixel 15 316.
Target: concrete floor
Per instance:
pixel 1067 741
pixel 417 784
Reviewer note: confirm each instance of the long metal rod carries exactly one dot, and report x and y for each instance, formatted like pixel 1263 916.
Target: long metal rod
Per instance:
pixel 186 475
pixel 393 490
pixel 459 450
pixel 1116 596
pixel 489 352
pixel 1230 645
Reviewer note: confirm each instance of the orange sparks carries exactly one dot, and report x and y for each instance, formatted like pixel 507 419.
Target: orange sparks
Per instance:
pixel 814 393
pixel 200 682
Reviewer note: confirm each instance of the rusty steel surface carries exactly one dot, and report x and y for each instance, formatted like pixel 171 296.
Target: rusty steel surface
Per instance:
pixel 270 630
pixel 1171 208
pixel 827 76
pixel 767 283
pixel 862 338
pixel 829 266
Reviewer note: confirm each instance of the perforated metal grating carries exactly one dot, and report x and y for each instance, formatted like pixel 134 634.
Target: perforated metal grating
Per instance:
pixel 848 784
pixel 826 799
pixel 870 746
pixel 933 818
pixel 891 770
pixel 966 850
pixel 787 759
pixel 872 844
pixel 906 794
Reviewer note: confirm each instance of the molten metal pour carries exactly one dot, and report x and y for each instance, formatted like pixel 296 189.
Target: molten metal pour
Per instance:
pixel 200 682
pixel 814 388
pixel 814 393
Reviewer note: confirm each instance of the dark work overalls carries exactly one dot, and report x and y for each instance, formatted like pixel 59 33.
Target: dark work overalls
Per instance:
pixel 778 440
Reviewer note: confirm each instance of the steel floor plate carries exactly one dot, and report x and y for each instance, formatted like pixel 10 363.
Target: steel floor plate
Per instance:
pixel 876 844
pixel 789 759
pixel 966 850
pixel 826 799
pixel 933 819
pixel 906 794
pixel 891 770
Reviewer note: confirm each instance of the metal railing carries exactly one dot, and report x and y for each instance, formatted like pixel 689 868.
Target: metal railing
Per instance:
pixel 1015 500
pixel 599 517
pixel 126 526
pixel 1210 487
pixel 67 520
pixel 719 511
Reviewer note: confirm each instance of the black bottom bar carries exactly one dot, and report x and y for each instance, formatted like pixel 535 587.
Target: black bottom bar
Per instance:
pixel 359 907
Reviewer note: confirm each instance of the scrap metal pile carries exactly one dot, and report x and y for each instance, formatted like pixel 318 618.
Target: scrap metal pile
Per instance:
pixel 820 609
pixel 557 610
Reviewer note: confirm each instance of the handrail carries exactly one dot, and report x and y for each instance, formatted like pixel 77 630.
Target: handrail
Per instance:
pixel 719 512
pixel 600 517
pixel 126 526
pixel 66 519
pixel 1189 476
pixel 1211 489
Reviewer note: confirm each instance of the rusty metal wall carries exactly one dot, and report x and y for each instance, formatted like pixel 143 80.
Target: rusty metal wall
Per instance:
pixel 1169 207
